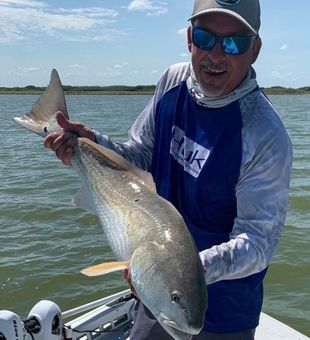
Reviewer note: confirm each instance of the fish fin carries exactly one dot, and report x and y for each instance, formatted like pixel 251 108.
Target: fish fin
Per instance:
pixel 146 178
pixel 83 199
pixel 117 161
pixel 105 268
pixel 41 119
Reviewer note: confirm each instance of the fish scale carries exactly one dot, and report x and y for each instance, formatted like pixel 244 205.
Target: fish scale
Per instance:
pixel 117 220
pixel 109 216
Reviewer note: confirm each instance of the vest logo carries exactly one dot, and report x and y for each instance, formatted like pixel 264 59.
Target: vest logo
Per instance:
pixel 191 155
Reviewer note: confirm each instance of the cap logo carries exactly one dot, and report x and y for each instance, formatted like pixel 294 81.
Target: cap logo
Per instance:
pixel 227 2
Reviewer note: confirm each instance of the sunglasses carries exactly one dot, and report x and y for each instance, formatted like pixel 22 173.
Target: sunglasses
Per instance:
pixel 231 44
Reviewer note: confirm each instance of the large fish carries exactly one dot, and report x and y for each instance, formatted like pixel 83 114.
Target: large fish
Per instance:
pixel 145 231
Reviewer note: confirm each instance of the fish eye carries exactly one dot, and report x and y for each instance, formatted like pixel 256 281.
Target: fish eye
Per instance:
pixel 175 296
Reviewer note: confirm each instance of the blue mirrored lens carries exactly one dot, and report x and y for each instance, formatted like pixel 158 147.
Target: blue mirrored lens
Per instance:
pixel 203 39
pixel 231 44
pixel 235 44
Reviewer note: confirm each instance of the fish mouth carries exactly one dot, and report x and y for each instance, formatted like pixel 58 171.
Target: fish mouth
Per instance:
pixel 173 329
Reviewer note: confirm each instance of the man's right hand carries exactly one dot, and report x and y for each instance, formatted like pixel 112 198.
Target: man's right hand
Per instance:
pixel 62 143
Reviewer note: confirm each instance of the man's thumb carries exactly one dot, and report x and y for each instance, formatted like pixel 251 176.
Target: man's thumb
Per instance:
pixel 77 127
pixel 69 125
pixel 64 123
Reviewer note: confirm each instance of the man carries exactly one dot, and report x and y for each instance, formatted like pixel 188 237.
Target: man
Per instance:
pixel 219 152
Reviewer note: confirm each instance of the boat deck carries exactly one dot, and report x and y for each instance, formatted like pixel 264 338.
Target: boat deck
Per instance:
pixel 111 319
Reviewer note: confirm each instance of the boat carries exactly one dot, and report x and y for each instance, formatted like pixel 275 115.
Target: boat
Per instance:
pixel 111 318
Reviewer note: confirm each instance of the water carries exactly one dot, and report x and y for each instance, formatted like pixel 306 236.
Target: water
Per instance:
pixel 45 241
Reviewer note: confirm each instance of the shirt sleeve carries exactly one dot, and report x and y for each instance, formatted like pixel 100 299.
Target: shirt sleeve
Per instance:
pixel 262 200
pixel 138 149
pixel 139 146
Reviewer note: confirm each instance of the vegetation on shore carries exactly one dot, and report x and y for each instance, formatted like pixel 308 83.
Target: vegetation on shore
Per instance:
pixel 99 90
pixel 286 90
pixel 137 90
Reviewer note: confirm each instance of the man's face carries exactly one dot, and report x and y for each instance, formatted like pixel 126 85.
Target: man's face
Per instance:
pixel 218 73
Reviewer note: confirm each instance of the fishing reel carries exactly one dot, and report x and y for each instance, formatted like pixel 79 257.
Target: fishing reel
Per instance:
pixel 44 322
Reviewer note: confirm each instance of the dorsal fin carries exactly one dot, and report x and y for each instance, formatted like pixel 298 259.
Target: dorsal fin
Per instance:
pixel 118 162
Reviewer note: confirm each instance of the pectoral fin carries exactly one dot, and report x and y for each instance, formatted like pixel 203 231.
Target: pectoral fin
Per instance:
pixel 83 199
pixel 105 268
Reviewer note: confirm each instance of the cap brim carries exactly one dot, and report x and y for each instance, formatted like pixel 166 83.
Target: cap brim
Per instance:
pixel 226 11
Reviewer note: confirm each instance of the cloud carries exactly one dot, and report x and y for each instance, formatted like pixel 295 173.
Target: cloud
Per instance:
pixel 276 75
pixel 30 19
pixel 24 70
pixel 183 31
pixel 120 65
pixel 77 66
pixel 284 47
pixel 185 55
pixel 148 6
pixel 112 72
pixel 26 3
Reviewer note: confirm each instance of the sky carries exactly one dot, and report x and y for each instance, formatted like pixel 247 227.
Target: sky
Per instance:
pixel 131 42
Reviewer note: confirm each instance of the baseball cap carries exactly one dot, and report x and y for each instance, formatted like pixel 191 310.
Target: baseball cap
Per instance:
pixel 246 11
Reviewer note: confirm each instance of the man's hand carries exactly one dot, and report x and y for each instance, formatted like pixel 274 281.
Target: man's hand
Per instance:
pixel 62 143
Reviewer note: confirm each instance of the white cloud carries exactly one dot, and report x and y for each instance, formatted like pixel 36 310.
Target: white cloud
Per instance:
pixel 28 20
pixel 151 7
pixel 182 31
pixel 29 3
pixel 154 72
pixel 77 66
pixel 24 70
pixel 276 75
pixel 120 65
pixel 284 47
pixel 112 72
pixel 185 55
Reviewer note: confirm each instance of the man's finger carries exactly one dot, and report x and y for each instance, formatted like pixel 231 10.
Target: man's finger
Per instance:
pixel 50 138
pixel 69 125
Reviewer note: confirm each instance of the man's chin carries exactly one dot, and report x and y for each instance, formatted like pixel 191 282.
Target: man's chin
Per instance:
pixel 212 91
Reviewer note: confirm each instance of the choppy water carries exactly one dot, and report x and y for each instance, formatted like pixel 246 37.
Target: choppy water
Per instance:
pixel 45 241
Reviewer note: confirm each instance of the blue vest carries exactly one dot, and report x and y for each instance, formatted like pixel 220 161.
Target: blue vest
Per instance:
pixel 195 165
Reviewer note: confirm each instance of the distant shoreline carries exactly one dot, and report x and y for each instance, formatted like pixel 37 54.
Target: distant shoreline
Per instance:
pixel 85 90
pixel 132 90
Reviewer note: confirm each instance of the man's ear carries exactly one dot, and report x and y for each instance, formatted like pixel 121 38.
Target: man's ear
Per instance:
pixel 189 39
pixel 256 49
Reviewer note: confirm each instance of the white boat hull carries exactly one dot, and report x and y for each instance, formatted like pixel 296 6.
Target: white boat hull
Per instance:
pixel 111 318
